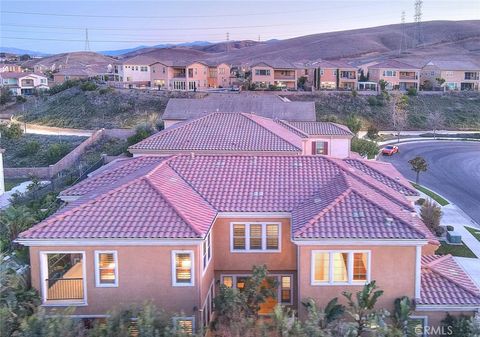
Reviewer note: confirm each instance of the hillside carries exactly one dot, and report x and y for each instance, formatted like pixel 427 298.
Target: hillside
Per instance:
pixel 71 60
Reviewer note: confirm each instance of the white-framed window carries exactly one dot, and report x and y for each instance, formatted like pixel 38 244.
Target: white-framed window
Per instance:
pixel 182 268
pixel 322 72
pixel 255 237
pixel 184 324
pixel 284 293
pixel 106 269
pixel 63 277
pixel 340 267
pixel 389 73
pixel 206 251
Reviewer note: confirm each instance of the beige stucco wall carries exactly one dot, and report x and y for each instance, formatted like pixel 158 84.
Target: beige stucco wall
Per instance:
pixel 268 79
pixel 144 273
pixel 393 268
pixel 199 76
pixel 338 147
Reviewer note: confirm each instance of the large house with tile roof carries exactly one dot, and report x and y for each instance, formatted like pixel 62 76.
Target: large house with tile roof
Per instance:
pixel 170 229
pixel 23 83
pixel 457 75
pixel 247 133
pixel 278 73
pixel 269 106
pixel 397 75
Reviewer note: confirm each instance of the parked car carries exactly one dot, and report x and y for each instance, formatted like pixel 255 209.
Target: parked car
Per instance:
pixel 389 150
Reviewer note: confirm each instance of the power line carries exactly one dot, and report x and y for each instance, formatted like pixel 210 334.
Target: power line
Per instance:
pixel 83 40
pixel 418 34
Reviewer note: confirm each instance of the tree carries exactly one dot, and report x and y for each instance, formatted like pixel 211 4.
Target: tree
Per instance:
pixel 440 81
pixel 372 132
pixel 13 221
pixel 383 85
pixel 40 324
pixel 460 326
pixel 354 123
pixel 401 315
pixel 5 95
pixel 320 319
pixel 398 112
pixel 431 215
pixel 419 164
pixel 364 147
pixel 361 309
pixel 25 57
pixel 435 120
pixel 301 82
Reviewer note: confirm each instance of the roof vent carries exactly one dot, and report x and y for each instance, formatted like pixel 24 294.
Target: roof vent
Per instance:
pixel 220 163
pixel 388 221
pixel 358 213
pixel 257 193
pixel 297 163
pixel 317 200
pixel 397 178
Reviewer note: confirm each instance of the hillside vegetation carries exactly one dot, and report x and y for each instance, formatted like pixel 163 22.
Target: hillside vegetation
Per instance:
pixel 96 107
pixel 460 110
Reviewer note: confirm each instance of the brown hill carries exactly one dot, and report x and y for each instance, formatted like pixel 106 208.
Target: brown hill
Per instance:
pixel 70 60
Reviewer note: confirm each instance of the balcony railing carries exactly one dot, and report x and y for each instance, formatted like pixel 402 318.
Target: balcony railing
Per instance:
pixel 408 77
pixel 64 289
pixel 284 77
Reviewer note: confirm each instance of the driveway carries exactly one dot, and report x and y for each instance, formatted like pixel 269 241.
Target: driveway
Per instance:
pixel 453 170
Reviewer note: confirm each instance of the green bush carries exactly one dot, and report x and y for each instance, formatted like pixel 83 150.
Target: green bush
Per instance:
pixel 431 215
pixel 55 152
pixel 412 92
pixel 142 131
pixel 365 147
pixel 30 148
pixel 372 132
pixel 107 90
pixel 372 101
pixel 21 99
pixel 88 86
pixel 12 131
pixel 420 201
pixel 5 95
pixel 64 86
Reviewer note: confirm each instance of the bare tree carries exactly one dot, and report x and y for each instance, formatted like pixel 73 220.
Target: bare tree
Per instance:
pixel 398 111
pixel 435 120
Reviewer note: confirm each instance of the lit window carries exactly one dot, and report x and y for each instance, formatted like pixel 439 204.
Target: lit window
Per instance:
pixel 207 250
pixel 182 268
pixel 184 324
pixel 320 147
pixel 106 269
pixel 255 236
pixel 228 281
pixel 321 267
pixel 340 267
pixel 286 289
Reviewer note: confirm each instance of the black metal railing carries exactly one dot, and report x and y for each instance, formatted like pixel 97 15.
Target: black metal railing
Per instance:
pixel 64 289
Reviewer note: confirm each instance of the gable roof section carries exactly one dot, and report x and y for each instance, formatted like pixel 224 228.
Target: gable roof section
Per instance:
pixel 321 128
pixel 444 282
pixel 398 182
pixel 227 132
pixel 156 205
pixel 393 64
pixel 454 65
pixel 269 106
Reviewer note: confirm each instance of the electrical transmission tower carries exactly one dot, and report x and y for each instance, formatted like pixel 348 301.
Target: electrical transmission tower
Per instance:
pixel 403 41
pixel 87 42
pixel 418 34
pixel 227 45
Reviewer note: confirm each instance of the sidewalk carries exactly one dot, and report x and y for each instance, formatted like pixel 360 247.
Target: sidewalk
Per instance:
pixel 455 217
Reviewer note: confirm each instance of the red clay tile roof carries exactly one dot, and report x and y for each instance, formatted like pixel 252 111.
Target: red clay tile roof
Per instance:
pixel 179 196
pixel 393 64
pixel 444 282
pixel 223 132
pixel 395 181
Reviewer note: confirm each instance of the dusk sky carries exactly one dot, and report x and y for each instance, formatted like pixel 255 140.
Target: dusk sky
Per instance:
pixel 59 26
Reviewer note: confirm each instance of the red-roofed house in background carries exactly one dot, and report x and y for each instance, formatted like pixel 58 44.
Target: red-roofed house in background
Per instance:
pixel 170 229
pixel 398 75
pixel 457 75
pixel 133 72
pixel 10 67
pixel 330 75
pixel 279 73
pixel 23 83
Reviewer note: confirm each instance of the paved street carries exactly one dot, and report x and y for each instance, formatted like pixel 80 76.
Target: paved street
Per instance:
pixel 454 170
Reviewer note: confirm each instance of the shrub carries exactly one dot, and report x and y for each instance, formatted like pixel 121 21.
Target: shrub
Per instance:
pixel 64 86
pixel 142 131
pixel 450 228
pixel 431 215
pixel 88 86
pixel 30 148
pixel 365 147
pixel 372 132
pixel 354 93
pixel 12 131
pixel 5 95
pixel 21 99
pixel 372 101
pixel 354 123
pixel 412 92
pixel 56 151
pixel 460 326
pixel 420 201
pixel 104 91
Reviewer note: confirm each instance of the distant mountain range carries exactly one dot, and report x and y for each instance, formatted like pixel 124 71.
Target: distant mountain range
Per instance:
pixel 17 51
pixel 119 52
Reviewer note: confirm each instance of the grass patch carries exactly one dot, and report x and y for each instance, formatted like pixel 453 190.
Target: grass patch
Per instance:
pixel 455 250
pixel 11 183
pixel 431 194
pixel 475 232
pixel 31 150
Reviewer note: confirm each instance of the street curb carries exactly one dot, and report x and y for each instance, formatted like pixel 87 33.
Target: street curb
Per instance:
pixel 425 187
pixel 426 139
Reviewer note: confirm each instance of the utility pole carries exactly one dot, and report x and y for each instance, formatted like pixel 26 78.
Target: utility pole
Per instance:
pixel 418 34
pixel 227 45
pixel 87 42
pixel 403 39
pixel 258 37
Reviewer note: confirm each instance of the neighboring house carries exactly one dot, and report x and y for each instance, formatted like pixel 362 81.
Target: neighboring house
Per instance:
pixel 457 75
pixel 246 133
pixel 172 229
pixel 23 83
pixel 10 67
pixel 398 75
pixel 133 72
pixel 331 75
pixel 277 73
pixel 188 76
pixel 270 106
pixel 73 73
